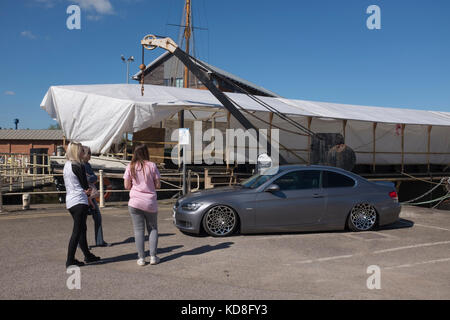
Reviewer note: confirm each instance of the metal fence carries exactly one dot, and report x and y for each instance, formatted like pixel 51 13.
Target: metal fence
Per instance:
pixel 172 181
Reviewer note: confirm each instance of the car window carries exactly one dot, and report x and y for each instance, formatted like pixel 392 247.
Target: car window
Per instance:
pixel 255 181
pixel 332 179
pixel 295 180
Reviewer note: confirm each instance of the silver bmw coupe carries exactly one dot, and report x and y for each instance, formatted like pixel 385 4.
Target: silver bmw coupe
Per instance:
pixel 292 198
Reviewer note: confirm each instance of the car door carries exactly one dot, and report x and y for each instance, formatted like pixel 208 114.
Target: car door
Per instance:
pixel 299 202
pixel 340 193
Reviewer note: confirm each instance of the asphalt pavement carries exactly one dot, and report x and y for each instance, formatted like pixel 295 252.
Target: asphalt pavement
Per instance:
pixel 407 260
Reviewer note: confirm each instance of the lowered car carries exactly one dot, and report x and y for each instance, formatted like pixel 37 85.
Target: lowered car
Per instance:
pixel 292 198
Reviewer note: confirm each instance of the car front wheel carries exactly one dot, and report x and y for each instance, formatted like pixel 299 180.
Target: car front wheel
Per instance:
pixel 220 221
pixel 363 217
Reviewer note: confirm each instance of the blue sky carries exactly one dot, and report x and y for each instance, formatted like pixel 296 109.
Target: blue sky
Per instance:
pixel 314 50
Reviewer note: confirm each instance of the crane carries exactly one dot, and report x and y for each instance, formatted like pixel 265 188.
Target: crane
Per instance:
pixel 151 42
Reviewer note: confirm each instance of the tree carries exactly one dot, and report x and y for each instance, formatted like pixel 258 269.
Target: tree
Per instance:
pixel 54 127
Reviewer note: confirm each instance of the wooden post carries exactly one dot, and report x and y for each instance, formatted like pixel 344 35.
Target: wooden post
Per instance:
pixel 309 140
pixel 125 156
pixel 429 147
pixel 269 136
pixel 344 125
pixel 189 181
pixel 22 173
pixel 102 195
pixel 11 172
pixel 403 147
pixel 180 125
pixel 1 192
pixel 207 180
pixel 34 169
pixel 227 152
pixel 374 146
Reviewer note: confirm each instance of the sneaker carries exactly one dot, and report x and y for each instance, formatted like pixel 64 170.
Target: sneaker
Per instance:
pixel 75 262
pixel 141 262
pixel 91 258
pixel 154 260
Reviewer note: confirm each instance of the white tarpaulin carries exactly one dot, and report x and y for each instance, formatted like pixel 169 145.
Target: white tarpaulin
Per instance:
pixel 99 115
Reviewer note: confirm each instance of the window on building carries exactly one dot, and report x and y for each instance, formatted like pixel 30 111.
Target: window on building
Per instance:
pixel 179 83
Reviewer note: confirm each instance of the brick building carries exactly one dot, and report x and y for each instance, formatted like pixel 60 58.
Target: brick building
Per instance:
pixel 22 141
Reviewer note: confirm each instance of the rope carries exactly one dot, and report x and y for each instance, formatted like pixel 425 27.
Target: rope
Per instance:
pixel 431 182
pixel 257 100
pixel 447 196
pixel 447 180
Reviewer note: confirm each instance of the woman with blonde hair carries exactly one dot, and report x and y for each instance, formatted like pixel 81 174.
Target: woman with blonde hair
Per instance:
pixel 77 191
pixel 142 178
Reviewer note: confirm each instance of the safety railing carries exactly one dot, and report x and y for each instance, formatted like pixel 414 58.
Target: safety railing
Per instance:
pixel 173 181
pixel 18 170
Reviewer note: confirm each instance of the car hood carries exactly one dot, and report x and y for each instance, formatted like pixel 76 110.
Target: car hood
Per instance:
pixel 215 192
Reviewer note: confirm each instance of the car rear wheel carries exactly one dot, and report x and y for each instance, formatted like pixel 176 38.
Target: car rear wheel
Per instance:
pixel 220 221
pixel 363 217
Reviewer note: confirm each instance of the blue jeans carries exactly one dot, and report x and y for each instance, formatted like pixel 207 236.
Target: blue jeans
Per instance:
pixel 97 224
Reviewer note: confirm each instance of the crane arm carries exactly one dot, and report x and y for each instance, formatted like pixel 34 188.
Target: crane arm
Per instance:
pixel 151 42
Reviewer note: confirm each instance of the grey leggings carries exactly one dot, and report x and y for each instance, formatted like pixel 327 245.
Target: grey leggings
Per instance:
pixel 141 218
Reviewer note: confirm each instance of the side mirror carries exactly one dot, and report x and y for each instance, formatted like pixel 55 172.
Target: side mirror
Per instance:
pixel 273 188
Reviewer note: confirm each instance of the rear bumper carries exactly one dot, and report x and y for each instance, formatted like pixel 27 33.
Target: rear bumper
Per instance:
pixel 390 214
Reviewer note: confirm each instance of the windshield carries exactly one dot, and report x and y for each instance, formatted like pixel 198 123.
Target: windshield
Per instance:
pixel 256 180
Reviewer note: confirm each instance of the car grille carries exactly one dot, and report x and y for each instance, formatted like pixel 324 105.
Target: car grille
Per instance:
pixel 185 224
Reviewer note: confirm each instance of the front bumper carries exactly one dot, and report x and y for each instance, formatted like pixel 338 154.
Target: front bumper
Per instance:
pixel 188 221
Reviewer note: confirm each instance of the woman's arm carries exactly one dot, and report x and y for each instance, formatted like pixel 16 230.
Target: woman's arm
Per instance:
pixel 156 176
pixel 127 184
pixel 79 171
pixel 92 178
pixel 157 184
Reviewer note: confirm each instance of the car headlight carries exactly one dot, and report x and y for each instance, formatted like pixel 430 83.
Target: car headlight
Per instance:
pixel 191 206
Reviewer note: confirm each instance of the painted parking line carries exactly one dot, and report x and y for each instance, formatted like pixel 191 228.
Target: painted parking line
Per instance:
pixel 421 245
pixel 416 264
pixel 332 258
pixel 431 227
pixel 325 259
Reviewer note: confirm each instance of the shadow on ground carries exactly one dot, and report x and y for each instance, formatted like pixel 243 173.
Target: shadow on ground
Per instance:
pixel 400 224
pixel 131 240
pixel 192 252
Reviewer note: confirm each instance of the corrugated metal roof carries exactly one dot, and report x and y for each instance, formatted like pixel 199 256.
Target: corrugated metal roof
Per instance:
pixel 7 134
pixel 167 55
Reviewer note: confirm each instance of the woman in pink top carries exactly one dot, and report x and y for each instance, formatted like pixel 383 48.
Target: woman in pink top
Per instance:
pixel 142 178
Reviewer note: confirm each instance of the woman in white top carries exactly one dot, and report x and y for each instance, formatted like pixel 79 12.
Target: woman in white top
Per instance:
pixel 77 191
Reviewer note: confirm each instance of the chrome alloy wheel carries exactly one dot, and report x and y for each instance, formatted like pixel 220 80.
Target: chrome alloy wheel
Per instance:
pixel 363 216
pixel 220 221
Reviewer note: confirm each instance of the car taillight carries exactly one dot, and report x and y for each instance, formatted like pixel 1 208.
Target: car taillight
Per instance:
pixel 393 195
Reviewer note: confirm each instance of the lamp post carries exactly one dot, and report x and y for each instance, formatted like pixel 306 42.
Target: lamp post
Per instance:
pixel 127 61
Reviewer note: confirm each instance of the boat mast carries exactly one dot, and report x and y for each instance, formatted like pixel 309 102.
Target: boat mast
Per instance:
pixel 187 36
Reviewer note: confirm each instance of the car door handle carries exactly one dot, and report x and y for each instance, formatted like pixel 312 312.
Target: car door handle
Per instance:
pixel 316 195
